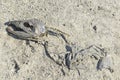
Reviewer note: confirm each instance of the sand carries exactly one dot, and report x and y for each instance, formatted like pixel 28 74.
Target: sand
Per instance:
pixel 93 27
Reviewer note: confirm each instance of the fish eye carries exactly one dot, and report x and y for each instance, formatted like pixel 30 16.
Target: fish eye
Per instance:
pixel 26 24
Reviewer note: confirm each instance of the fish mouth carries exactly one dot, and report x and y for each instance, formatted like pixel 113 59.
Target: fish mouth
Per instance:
pixel 16 30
